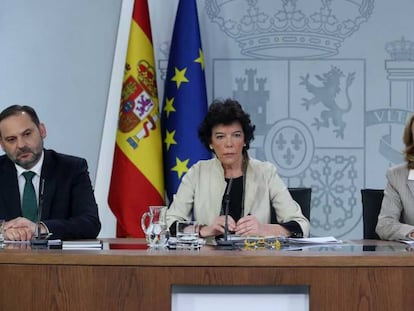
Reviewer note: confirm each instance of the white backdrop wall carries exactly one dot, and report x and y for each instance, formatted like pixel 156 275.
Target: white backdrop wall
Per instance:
pixel 58 57
pixel 66 58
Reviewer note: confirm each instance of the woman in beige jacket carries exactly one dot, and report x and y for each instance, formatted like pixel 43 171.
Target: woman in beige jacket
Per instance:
pixel 396 218
pixel 250 187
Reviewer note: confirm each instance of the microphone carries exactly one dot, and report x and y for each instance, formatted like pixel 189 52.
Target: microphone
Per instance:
pixel 225 243
pixel 226 210
pixel 38 239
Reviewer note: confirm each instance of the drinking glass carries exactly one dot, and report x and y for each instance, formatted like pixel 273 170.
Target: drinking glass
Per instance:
pixel 2 222
pixel 188 235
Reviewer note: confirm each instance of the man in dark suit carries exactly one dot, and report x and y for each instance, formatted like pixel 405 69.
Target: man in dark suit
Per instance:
pixel 61 182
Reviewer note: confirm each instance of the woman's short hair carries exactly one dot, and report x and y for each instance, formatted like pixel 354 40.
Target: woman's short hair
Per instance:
pixel 408 140
pixel 225 112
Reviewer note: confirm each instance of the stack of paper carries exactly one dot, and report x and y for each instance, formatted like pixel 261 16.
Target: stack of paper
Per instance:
pixel 409 242
pixel 316 240
pixel 82 244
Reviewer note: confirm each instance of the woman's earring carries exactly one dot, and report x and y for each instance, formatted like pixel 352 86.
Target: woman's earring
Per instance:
pixel 211 147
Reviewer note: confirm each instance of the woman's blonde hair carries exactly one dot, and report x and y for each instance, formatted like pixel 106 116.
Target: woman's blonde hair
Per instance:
pixel 408 140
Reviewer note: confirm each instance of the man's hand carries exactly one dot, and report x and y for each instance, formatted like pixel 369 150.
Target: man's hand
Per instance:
pixel 19 229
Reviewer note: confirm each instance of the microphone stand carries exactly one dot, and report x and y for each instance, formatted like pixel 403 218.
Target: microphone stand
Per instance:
pixel 225 243
pixel 226 210
pixel 38 240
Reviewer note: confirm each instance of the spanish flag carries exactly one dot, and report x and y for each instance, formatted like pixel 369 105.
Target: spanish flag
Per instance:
pixel 137 173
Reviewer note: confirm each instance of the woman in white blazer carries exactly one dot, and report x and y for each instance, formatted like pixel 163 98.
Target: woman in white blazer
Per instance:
pixel 250 187
pixel 396 218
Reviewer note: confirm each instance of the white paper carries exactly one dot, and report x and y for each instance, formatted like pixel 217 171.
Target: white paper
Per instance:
pixel 409 242
pixel 82 244
pixel 316 240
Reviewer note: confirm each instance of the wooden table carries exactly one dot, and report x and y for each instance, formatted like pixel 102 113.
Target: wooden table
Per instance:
pixel 139 279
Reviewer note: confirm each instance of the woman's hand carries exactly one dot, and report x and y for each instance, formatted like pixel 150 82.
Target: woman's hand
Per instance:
pixel 249 225
pixel 217 227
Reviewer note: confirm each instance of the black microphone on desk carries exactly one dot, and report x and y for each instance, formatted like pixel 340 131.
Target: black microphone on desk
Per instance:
pixel 226 209
pixel 37 239
pixel 226 201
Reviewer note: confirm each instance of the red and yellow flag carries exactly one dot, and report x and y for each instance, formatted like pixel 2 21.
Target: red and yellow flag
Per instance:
pixel 137 176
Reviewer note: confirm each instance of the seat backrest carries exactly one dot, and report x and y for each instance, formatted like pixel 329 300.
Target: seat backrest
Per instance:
pixel 302 195
pixel 371 206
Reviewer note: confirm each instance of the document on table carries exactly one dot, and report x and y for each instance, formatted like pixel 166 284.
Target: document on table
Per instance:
pixel 409 242
pixel 49 242
pixel 233 237
pixel 98 244
pixel 80 244
pixel 315 240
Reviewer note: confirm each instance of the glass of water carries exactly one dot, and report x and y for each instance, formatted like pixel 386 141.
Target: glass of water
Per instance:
pixel 2 222
pixel 188 235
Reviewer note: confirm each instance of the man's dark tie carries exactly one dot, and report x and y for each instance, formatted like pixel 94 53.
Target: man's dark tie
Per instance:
pixel 29 203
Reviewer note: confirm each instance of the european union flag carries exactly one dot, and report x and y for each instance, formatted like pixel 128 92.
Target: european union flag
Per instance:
pixel 185 98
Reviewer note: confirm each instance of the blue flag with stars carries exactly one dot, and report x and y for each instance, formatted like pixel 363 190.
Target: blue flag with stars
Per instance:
pixel 185 98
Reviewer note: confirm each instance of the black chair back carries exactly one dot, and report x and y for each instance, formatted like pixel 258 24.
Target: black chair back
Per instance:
pixel 302 195
pixel 371 206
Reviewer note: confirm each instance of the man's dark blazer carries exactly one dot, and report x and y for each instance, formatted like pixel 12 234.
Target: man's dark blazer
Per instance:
pixel 69 206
